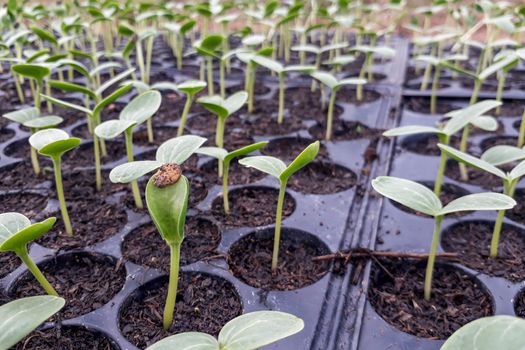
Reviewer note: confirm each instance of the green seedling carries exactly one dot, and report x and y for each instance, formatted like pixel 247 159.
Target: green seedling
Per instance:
pixel 30 118
pixel 225 157
pixel 37 73
pixel 20 317
pixel 494 156
pixel 224 21
pixel 16 232
pixel 140 109
pixel 281 71
pixel 367 68
pixel 250 331
pixel 418 197
pixel 190 88
pixel 459 119
pixel 167 199
pixel 53 143
pixel 338 62
pixel 207 47
pixel 223 108
pixel 277 168
pixel 334 85
pixel 506 332
pixel 176 34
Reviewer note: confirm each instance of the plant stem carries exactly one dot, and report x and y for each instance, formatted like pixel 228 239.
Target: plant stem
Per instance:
pixel 251 87
pixel 225 198
pixel 428 70
pixel 209 62
pixel 149 127
pixel 34 156
pixel 435 85
pixel 61 197
pixel 134 184
pixel 33 268
pixel 280 116
pixel 169 308
pixel 149 51
pixel 98 173
pixel 499 94
pixel 494 244
pixel 441 171
pixel 278 219
pixel 466 131
pixel 432 257
pixel 330 118
pixel 521 137
pixel 219 139
pixel 221 78
pixel 19 91
pixel 184 116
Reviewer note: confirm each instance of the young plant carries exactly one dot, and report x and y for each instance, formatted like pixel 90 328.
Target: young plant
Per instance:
pixel 250 331
pixel 53 143
pixel 417 197
pixel 207 47
pixel 277 168
pixel 140 109
pixel 190 88
pixel 334 85
pixel 16 232
pixel 176 34
pixel 223 108
pixel 494 156
pixel 20 317
pixel 30 118
pixel 281 71
pixel 37 73
pixel 226 157
pixel 459 119
pixel 167 200
pixel 367 68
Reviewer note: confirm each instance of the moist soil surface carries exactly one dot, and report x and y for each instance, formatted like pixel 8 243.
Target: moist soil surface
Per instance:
pixel 349 95
pixel 471 240
pixel 8 263
pixel 6 134
pixel 343 130
pixel 301 103
pixel 250 259
pixel 322 178
pixel 396 294
pixel 237 174
pixel 426 144
pixel 422 105
pixel 84 155
pixel 86 281
pixel 204 304
pixel 517 214
pixel 65 338
pixel 93 220
pixel 251 206
pixel 475 176
pixel 498 140
pixel 201 239
pixel 287 148
pixel 29 204
pixel 21 175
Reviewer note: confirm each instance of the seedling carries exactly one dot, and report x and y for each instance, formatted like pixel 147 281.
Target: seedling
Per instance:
pixel 367 68
pixel 226 157
pixel 459 119
pixel 30 118
pixel 223 108
pixel 16 232
pixel 495 156
pixel 334 85
pixel 207 47
pixel 507 332
pixel 250 331
pixel 167 199
pixel 190 88
pixel 277 168
pixel 140 109
pixel 36 72
pixel 176 35
pixel 417 197
pixel 281 71
pixel 54 143
pixel 20 317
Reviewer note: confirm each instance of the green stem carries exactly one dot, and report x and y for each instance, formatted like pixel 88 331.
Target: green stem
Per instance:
pixel 149 127
pixel 251 87
pixel 330 119
pixel 140 62
pixel 98 173
pixel 466 131
pixel 441 171
pixel 201 70
pixel 221 78
pixel 134 184
pixel 219 139
pixel 34 157
pixel 432 257
pixel 61 197
pixel 38 100
pixel 209 61
pixel 280 116
pixel 19 91
pixel 184 116
pixel 171 298
pixel 278 219
pixel 494 244
pixel 428 71
pixel 149 51
pixel 225 198
pixel 499 94
pixel 33 268
pixel 435 85
pixel 521 137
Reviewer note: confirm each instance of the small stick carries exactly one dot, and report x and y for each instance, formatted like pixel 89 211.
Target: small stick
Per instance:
pixel 365 253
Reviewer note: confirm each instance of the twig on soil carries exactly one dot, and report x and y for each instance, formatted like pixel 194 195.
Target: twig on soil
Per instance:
pixel 367 253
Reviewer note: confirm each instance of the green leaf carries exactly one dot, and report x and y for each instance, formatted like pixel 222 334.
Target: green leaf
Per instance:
pixel 350 81
pixel 44 122
pixel 299 68
pixel 167 207
pixel 128 172
pixel 245 150
pixel 142 107
pixel 518 171
pixel 305 157
pixel 412 130
pixel 35 71
pixel 325 78
pixel 53 142
pixel 215 152
pixel 488 333
pixel 269 63
pixel 471 161
pixel 102 67
pixel 224 108
pixel 409 193
pixel 235 102
pixel 36 55
pixel 486 123
pixel 479 201
pixel 269 165
pixel 113 128
pixel 253 40
pixel 334 46
pixel 191 87
pixel 178 149
pixel 23 115
pixel 115 80
pixel 79 67
pixel 44 35
pixel 66 104
pixel 497 66
pixel 465 116
pixel 164 85
pixel 503 154
pixel 71 87
pixel 208 45
pixel 11 223
pixel 187 341
pixel 112 98
pixel 257 329
pixel 307 48
pixel 20 317
pixel 21 238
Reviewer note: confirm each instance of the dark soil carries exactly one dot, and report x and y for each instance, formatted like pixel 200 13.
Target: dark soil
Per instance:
pixel 204 304
pixel 8 263
pixel 449 192
pixel 160 134
pixel 426 144
pixel 237 175
pixel 84 155
pixel 6 134
pixel 232 140
pixel 302 103
pixel 517 213
pixel 422 105
pixel 261 122
pixel 498 140
pixel 396 294
pixel 206 123
pixel 145 246
pixel 86 281
pixel 93 221
pixel 476 177
pixel 287 148
pixel 512 108
pixel 79 184
pixel 20 175
pixel 252 207
pixel 29 204
pixel 471 240
pixel 323 178
pixel 250 259
pixel 66 338
pixel 343 130
pixel 21 149
pixel 519 304
pixel 349 95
